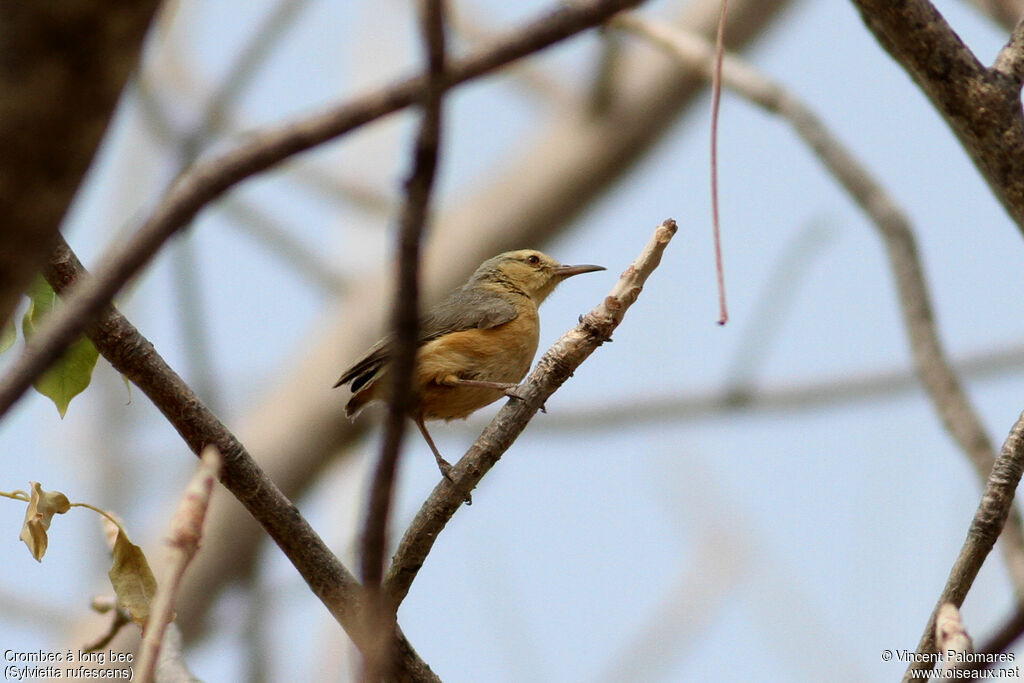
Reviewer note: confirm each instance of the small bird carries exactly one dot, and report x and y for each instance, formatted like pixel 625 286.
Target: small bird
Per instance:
pixel 474 346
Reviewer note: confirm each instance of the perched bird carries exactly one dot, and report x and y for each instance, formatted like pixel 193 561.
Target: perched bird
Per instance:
pixel 474 346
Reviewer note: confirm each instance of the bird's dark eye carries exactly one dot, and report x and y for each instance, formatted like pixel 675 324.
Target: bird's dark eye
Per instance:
pixel 533 259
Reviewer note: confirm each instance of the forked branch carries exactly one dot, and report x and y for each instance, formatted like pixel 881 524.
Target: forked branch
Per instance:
pixel 553 369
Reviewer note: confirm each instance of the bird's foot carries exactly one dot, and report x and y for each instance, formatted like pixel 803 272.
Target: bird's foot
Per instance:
pixel 593 330
pixel 518 392
pixel 446 472
pixel 446 469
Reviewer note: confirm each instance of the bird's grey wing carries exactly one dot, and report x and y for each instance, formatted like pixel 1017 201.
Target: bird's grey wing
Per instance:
pixel 463 309
pixel 466 309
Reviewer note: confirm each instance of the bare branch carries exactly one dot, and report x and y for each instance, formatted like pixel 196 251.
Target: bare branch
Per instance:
pixel 133 356
pixel 380 621
pixel 716 223
pixel 981 106
pixel 568 163
pixel 468 22
pixel 553 369
pixel 118 620
pixel 991 515
pixel 208 180
pixel 185 531
pixel 933 368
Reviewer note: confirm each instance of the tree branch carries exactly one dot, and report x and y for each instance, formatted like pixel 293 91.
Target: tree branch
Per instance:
pixel 982 106
pixel 553 369
pixel 933 367
pixel 996 502
pixel 133 356
pixel 208 180
pixel 568 161
pixel 186 529
pixel 380 620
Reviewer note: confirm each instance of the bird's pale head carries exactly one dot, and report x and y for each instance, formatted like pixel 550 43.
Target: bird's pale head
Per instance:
pixel 530 271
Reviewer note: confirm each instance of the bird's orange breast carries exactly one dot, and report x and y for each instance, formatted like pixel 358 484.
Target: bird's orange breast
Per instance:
pixel 499 354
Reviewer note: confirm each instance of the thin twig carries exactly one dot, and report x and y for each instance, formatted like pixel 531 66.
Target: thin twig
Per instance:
pixel 185 531
pixel 988 521
pixel 553 369
pixel 208 180
pixel 716 223
pixel 118 620
pixel 570 161
pixel 933 368
pixel 133 356
pixel 378 660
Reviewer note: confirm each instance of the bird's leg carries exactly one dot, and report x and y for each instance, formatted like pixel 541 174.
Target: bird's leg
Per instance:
pixel 442 464
pixel 453 381
pixel 509 388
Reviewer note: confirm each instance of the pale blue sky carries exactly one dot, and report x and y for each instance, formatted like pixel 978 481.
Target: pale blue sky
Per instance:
pixel 818 538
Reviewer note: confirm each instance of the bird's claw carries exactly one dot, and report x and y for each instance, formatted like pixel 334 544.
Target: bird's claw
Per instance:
pixel 593 331
pixel 516 392
pixel 446 472
pixel 446 468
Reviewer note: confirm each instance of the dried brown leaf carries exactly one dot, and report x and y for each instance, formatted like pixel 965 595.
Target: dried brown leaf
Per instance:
pixel 132 579
pixel 42 506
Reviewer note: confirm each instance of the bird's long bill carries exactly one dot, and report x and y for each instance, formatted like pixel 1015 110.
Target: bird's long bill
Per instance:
pixel 568 271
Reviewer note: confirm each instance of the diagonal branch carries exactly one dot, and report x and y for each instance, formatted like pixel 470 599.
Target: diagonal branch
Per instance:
pixel 133 356
pixel 982 106
pixel 932 365
pixel 208 180
pixel 934 370
pixel 996 502
pixel 564 165
pixel 186 530
pixel 553 369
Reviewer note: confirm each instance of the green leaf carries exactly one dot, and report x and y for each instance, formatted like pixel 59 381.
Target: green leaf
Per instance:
pixel 42 300
pixel 72 372
pixel 8 333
